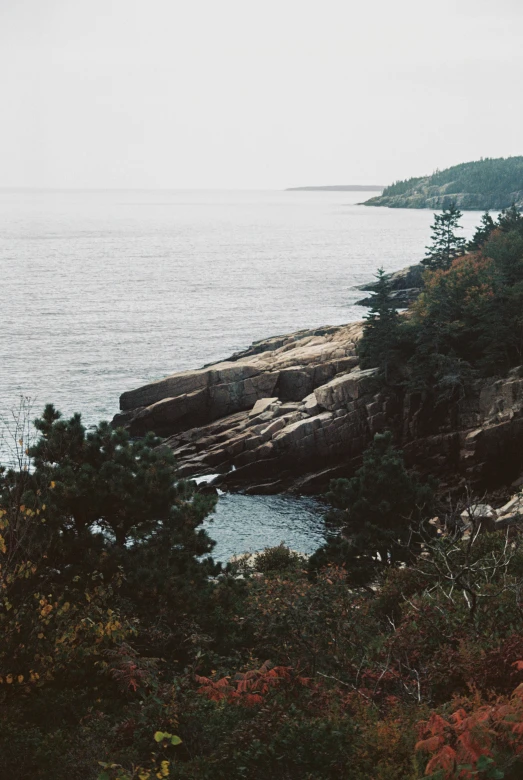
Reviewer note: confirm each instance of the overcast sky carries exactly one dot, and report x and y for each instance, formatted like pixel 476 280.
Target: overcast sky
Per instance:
pixel 251 94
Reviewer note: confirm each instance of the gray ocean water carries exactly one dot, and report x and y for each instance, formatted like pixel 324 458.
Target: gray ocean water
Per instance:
pixel 103 291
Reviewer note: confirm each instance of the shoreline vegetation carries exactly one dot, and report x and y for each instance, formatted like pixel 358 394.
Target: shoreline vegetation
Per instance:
pixel 394 652
pixel 487 184
pixel 292 412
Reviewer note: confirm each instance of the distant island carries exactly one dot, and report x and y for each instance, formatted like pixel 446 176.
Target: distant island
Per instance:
pixel 483 185
pixel 339 188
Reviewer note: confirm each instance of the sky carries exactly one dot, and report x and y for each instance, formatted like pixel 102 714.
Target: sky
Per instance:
pixel 254 95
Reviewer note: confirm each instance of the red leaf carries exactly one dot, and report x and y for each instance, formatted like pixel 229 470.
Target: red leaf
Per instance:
pixel 429 745
pixel 445 759
pixel 252 699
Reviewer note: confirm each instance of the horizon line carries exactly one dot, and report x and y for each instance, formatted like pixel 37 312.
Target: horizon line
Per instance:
pixel 18 188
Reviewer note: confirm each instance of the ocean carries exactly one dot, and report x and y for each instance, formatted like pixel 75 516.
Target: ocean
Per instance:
pixel 104 291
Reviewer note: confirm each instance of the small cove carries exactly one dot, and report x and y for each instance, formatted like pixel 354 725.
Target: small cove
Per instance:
pixel 244 523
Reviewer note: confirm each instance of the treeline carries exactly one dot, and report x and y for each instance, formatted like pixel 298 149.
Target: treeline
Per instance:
pixel 489 175
pixel 484 184
pixel 468 321
pixel 401 187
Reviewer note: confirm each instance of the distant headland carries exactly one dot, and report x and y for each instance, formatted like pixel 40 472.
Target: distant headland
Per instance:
pixel 339 188
pixel 487 184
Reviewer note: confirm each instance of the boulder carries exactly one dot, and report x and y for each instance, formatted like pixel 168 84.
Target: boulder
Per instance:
pixel 273 428
pixel 515 505
pixel 261 406
pixel 479 513
pixel 310 405
pixel 510 513
pixel 343 389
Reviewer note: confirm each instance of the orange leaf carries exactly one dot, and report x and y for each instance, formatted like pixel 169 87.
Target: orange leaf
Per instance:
pixel 445 759
pixel 429 745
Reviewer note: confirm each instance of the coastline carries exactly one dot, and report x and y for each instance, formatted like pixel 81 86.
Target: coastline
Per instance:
pixel 291 412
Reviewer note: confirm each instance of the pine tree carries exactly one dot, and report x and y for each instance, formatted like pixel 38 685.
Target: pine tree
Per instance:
pixel 483 232
pixel 446 244
pixel 377 346
pixel 107 498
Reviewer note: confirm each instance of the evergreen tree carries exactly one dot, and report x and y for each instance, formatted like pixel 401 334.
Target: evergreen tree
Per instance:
pixel 102 481
pixel 510 219
pixel 110 504
pixel 483 232
pixel 377 346
pixel 446 245
pixel 379 510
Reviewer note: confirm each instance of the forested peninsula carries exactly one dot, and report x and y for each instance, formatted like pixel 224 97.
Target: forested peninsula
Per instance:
pixel 488 183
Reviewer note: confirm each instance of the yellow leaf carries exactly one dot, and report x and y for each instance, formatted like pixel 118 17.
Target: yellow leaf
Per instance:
pixel 52 485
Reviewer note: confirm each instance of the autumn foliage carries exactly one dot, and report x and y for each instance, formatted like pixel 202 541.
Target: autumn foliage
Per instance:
pixel 126 654
pixel 476 738
pixel 245 688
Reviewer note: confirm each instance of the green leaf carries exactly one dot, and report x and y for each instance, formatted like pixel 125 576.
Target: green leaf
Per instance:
pixel 161 735
pixel 483 763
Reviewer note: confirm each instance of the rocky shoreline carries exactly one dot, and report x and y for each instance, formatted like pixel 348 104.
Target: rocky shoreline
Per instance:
pixel 261 418
pixel 405 286
pixel 291 412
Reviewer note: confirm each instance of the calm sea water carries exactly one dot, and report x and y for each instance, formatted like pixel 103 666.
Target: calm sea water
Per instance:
pixel 103 291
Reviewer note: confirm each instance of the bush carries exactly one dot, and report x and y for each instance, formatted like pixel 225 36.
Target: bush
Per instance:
pixel 278 559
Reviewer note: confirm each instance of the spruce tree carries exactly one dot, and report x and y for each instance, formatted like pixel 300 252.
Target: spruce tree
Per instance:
pixel 483 232
pixel 446 245
pixel 377 346
pixel 510 219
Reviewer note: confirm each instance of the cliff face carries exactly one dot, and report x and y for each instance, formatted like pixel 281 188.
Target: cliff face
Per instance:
pixel 292 412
